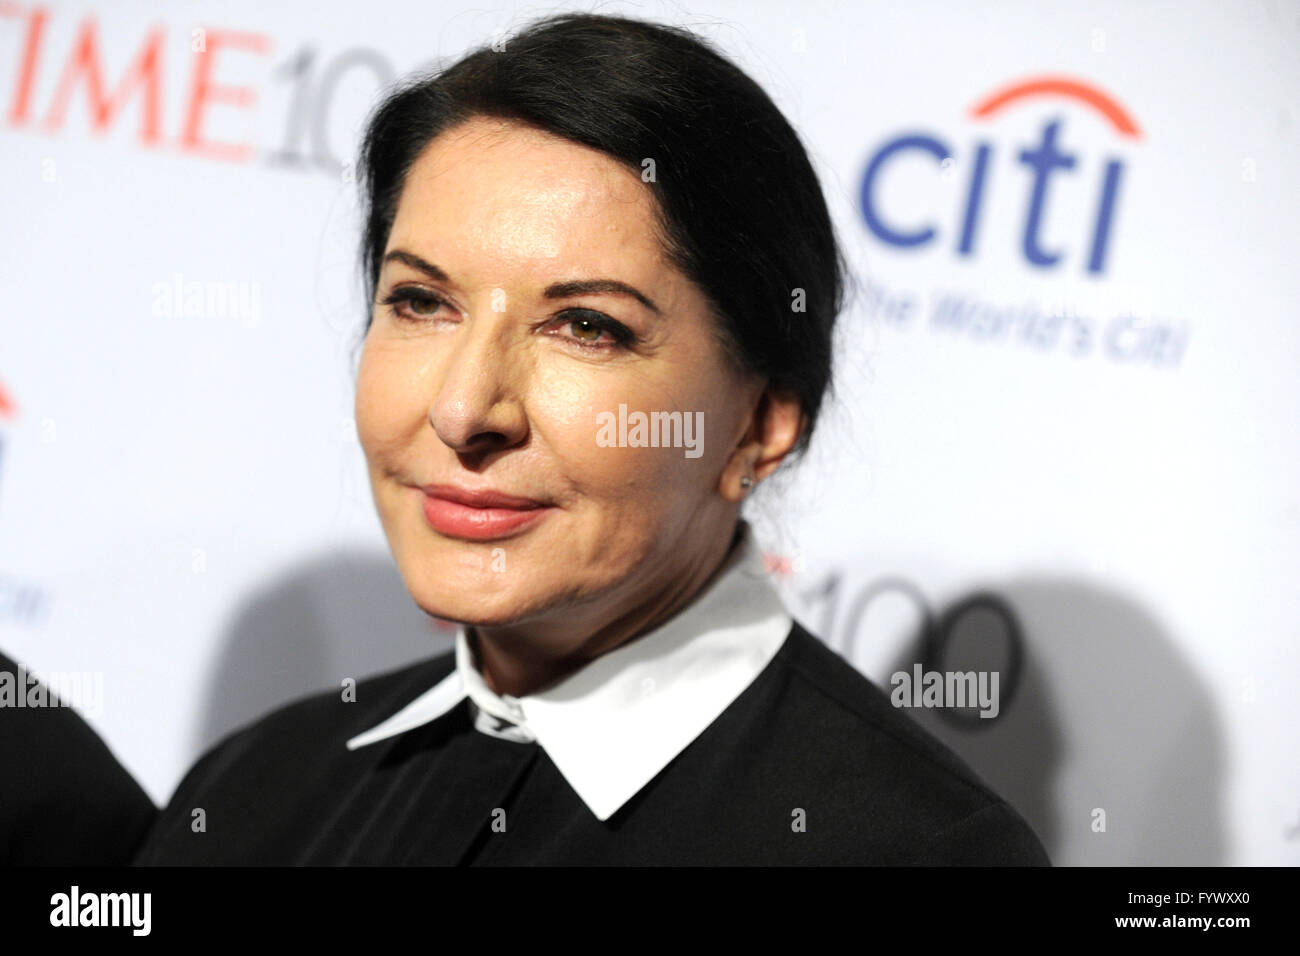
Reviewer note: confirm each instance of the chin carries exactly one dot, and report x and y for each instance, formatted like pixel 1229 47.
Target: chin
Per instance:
pixel 475 602
pixel 476 614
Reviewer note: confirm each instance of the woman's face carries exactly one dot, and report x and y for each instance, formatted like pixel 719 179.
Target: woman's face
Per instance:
pixel 497 365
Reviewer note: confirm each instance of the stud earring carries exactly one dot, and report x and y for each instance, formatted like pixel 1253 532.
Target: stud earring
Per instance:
pixel 747 482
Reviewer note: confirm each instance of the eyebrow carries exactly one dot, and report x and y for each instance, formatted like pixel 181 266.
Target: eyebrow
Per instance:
pixel 556 290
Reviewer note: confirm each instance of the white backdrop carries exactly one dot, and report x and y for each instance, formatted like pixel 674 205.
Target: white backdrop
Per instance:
pixel 1104 449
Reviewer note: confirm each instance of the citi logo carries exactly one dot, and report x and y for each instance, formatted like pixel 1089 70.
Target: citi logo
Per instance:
pixel 1040 160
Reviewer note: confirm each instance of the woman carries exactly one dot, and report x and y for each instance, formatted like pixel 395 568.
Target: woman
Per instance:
pixel 604 281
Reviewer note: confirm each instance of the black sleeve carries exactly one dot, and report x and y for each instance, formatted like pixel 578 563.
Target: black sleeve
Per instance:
pixel 64 798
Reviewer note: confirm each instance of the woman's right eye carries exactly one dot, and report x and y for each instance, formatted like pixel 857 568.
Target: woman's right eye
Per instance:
pixel 414 305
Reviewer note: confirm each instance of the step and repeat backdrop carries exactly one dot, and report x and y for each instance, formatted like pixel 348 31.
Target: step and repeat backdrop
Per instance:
pixel 1062 445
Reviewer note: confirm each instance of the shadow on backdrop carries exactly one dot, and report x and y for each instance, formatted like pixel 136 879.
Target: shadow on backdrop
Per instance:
pixel 346 614
pixel 1106 714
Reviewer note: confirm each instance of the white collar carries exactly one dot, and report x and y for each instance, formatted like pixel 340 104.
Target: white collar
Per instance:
pixel 615 723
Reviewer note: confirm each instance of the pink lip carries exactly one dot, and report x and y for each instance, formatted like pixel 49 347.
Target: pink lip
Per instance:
pixel 478 515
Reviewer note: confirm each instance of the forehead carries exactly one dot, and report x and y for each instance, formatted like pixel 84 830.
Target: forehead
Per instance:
pixel 492 197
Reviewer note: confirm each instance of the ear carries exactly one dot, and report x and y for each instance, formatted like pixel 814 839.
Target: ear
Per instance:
pixel 773 428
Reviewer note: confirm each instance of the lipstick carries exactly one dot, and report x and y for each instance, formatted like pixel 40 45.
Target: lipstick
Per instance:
pixel 478 515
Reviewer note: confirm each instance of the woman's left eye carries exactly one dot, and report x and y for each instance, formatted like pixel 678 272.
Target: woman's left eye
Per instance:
pixel 586 328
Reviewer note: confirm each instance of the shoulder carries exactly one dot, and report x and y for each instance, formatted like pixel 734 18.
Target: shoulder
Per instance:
pixel 301 734
pixel 353 708
pixel 268 787
pixel 881 765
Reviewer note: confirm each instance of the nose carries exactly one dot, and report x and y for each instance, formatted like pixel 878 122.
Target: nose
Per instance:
pixel 477 408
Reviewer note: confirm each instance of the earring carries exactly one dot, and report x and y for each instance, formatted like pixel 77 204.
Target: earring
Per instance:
pixel 747 482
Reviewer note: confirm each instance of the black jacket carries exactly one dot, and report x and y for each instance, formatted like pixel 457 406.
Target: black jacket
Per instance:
pixel 811 764
pixel 64 798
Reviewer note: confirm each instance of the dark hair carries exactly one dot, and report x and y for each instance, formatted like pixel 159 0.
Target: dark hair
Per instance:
pixel 740 209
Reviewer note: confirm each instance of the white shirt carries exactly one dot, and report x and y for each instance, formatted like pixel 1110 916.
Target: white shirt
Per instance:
pixel 611 726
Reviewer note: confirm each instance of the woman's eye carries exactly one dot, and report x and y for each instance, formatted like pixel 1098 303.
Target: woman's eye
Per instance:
pixel 586 328
pixel 424 306
pixel 413 305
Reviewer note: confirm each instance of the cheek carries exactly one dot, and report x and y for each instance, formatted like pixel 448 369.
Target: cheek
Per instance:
pixel 384 406
pixel 568 413
pixel 369 404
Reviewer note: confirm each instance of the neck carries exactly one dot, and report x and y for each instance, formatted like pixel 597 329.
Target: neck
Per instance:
pixel 521 659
